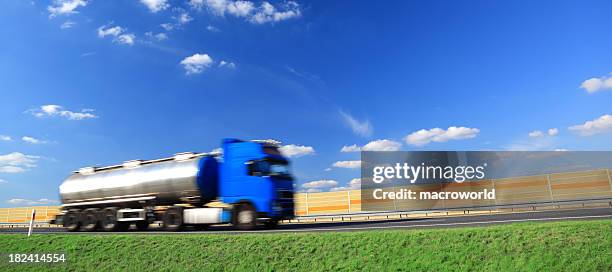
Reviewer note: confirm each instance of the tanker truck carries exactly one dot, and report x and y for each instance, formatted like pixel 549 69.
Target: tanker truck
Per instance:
pixel 246 184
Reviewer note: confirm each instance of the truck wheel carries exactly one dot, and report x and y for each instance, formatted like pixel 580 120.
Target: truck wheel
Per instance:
pixel 271 224
pixel 245 217
pixel 108 220
pixel 90 219
pixel 71 220
pixel 173 219
pixel 123 226
pixel 142 225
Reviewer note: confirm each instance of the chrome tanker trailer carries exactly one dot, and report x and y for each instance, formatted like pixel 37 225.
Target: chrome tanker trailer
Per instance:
pixel 245 184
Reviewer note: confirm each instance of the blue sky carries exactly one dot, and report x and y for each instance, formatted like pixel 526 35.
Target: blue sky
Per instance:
pixel 101 82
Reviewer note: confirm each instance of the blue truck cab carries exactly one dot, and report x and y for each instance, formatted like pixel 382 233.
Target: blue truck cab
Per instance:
pixel 255 179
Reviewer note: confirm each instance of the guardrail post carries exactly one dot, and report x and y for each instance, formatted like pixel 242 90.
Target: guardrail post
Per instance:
pixel 394 204
pixel 306 203
pixel 552 199
pixel 349 202
pixel 495 198
pixel 609 179
pixel 442 189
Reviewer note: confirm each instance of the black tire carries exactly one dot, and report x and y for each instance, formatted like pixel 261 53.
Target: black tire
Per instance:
pixel 142 225
pixel 90 220
pixel 201 227
pixel 271 224
pixel 72 220
pixel 173 219
pixel 245 217
pixel 108 220
pixel 123 226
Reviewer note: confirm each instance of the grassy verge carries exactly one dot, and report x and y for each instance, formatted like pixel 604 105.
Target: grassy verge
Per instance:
pixel 561 246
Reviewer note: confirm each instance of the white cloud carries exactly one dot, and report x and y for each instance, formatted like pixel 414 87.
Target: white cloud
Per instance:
pixel 11 169
pixel 87 54
pixel 212 28
pixel 155 5
pixel 320 184
pixel 196 63
pixel 65 7
pixel 596 84
pixel 126 39
pixel 181 18
pixel 56 110
pixel 240 8
pixel 22 201
pixel 104 31
pixel 32 140
pixel 161 36
pixel 296 150
pixel 196 4
pixel 361 128
pixel 18 159
pixel 167 26
pixel 3 181
pixel 382 145
pixel 67 24
pixel 536 133
pixel 225 64
pixel 425 136
pixel 158 36
pixel 268 13
pixel 184 18
pixel 17 162
pixel 350 148
pixel 533 144
pixel 119 33
pixel 347 164
pixel 377 145
pixel 265 13
pixel 354 184
pixel 304 75
pixel 5 138
pixel 603 124
pixel 221 7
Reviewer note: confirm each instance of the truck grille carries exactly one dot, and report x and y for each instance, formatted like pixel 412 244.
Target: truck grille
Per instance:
pixel 284 194
pixel 287 206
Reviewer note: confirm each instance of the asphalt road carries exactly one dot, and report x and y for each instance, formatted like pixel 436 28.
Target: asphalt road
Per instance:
pixel 433 222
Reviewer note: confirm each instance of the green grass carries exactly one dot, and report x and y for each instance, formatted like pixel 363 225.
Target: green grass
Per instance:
pixel 559 246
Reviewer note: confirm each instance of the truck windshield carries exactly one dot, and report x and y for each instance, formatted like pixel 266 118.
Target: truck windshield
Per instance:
pixel 269 167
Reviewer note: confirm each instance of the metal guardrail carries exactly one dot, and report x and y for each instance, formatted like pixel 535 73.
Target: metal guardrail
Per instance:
pixel 25 225
pixel 604 202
